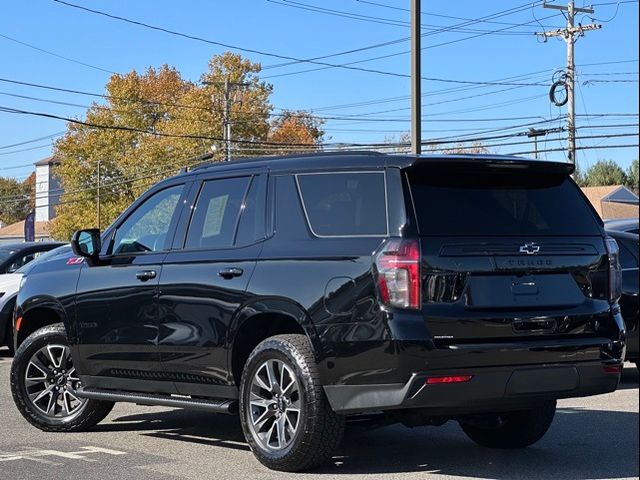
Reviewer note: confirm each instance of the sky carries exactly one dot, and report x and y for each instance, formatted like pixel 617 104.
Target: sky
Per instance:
pixel 75 49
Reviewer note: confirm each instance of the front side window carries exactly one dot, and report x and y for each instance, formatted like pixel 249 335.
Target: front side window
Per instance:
pixel 145 230
pixel 345 204
pixel 217 210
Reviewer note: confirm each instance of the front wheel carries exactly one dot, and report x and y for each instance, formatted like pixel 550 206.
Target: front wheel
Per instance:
pixel 512 430
pixel 285 416
pixel 44 384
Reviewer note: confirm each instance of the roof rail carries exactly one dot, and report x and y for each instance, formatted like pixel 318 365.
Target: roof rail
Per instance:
pixel 285 157
pixel 200 158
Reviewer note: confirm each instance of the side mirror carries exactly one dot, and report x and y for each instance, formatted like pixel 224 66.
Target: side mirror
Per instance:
pixel 87 244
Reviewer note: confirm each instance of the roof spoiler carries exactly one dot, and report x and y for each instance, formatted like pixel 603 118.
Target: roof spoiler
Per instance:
pixel 497 163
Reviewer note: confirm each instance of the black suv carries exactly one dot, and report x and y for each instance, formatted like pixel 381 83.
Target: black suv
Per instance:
pixel 298 291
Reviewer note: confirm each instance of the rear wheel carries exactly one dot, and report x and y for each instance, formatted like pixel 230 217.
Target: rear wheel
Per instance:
pixel 512 430
pixel 285 415
pixel 44 384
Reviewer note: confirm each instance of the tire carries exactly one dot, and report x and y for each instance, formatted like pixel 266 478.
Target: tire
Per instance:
pixel 318 429
pixel 515 429
pixel 45 348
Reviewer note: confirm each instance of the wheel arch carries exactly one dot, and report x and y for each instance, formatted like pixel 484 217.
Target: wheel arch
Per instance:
pixel 39 312
pixel 262 319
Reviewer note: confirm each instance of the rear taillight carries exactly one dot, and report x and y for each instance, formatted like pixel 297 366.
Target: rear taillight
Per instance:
pixel 398 271
pixel 615 272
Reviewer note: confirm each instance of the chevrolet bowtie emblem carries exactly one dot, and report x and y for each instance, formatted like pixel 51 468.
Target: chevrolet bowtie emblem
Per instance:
pixel 530 248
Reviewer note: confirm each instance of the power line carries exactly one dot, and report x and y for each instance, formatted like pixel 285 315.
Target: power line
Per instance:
pixel 432 14
pixel 442 30
pixel 129 128
pixel 109 97
pixel 11 152
pixel 256 51
pixel 68 59
pixel 381 20
pixel 26 142
pixel 390 55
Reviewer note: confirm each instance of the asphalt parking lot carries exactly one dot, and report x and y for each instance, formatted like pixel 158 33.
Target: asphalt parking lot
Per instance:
pixel 593 438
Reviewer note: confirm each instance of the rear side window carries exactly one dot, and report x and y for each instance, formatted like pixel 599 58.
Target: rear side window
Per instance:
pixel 344 204
pixel 468 202
pixel 216 214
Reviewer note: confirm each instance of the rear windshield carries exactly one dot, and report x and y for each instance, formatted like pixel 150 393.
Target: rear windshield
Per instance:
pixel 466 202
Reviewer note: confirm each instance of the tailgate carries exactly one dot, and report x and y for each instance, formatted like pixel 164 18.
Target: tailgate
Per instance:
pixel 507 252
pixel 479 290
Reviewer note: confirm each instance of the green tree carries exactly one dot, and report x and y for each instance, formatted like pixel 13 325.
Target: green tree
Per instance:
pixel 632 176
pixel 17 199
pixel 605 172
pixel 158 102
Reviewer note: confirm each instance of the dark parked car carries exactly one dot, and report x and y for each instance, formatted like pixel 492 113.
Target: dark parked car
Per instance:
pixel 628 225
pixel 628 243
pixel 298 291
pixel 15 255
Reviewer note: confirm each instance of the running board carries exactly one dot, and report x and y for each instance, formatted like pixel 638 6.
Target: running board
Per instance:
pixel 211 405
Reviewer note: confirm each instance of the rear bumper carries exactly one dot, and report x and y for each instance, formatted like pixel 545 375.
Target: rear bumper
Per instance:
pixel 491 389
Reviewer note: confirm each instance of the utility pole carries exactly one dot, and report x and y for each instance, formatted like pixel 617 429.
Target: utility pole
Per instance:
pixel 535 133
pixel 226 120
pixel 416 78
pixel 98 194
pixel 227 101
pixel 570 34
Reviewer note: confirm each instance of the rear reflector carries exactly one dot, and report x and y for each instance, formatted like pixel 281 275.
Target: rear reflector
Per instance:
pixel 612 369
pixel 449 379
pixel 18 323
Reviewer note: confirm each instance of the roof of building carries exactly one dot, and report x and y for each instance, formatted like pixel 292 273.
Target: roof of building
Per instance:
pixel 16 230
pixel 47 161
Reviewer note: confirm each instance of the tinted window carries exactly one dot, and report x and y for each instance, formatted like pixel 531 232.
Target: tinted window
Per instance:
pixel 477 202
pixel 145 230
pixel 215 217
pixel 345 204
pixel 252 220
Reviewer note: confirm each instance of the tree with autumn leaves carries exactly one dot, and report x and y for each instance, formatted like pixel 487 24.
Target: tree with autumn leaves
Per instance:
pixel 152 124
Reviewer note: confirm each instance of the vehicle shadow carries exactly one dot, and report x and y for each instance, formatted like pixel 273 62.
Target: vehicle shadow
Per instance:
pixel 183 425
pixel 594 444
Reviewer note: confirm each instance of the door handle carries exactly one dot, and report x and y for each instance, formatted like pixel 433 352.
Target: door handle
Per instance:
pixel 145 275
pixel 229 273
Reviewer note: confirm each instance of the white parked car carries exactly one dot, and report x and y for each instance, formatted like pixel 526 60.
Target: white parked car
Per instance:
pixel 9 286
